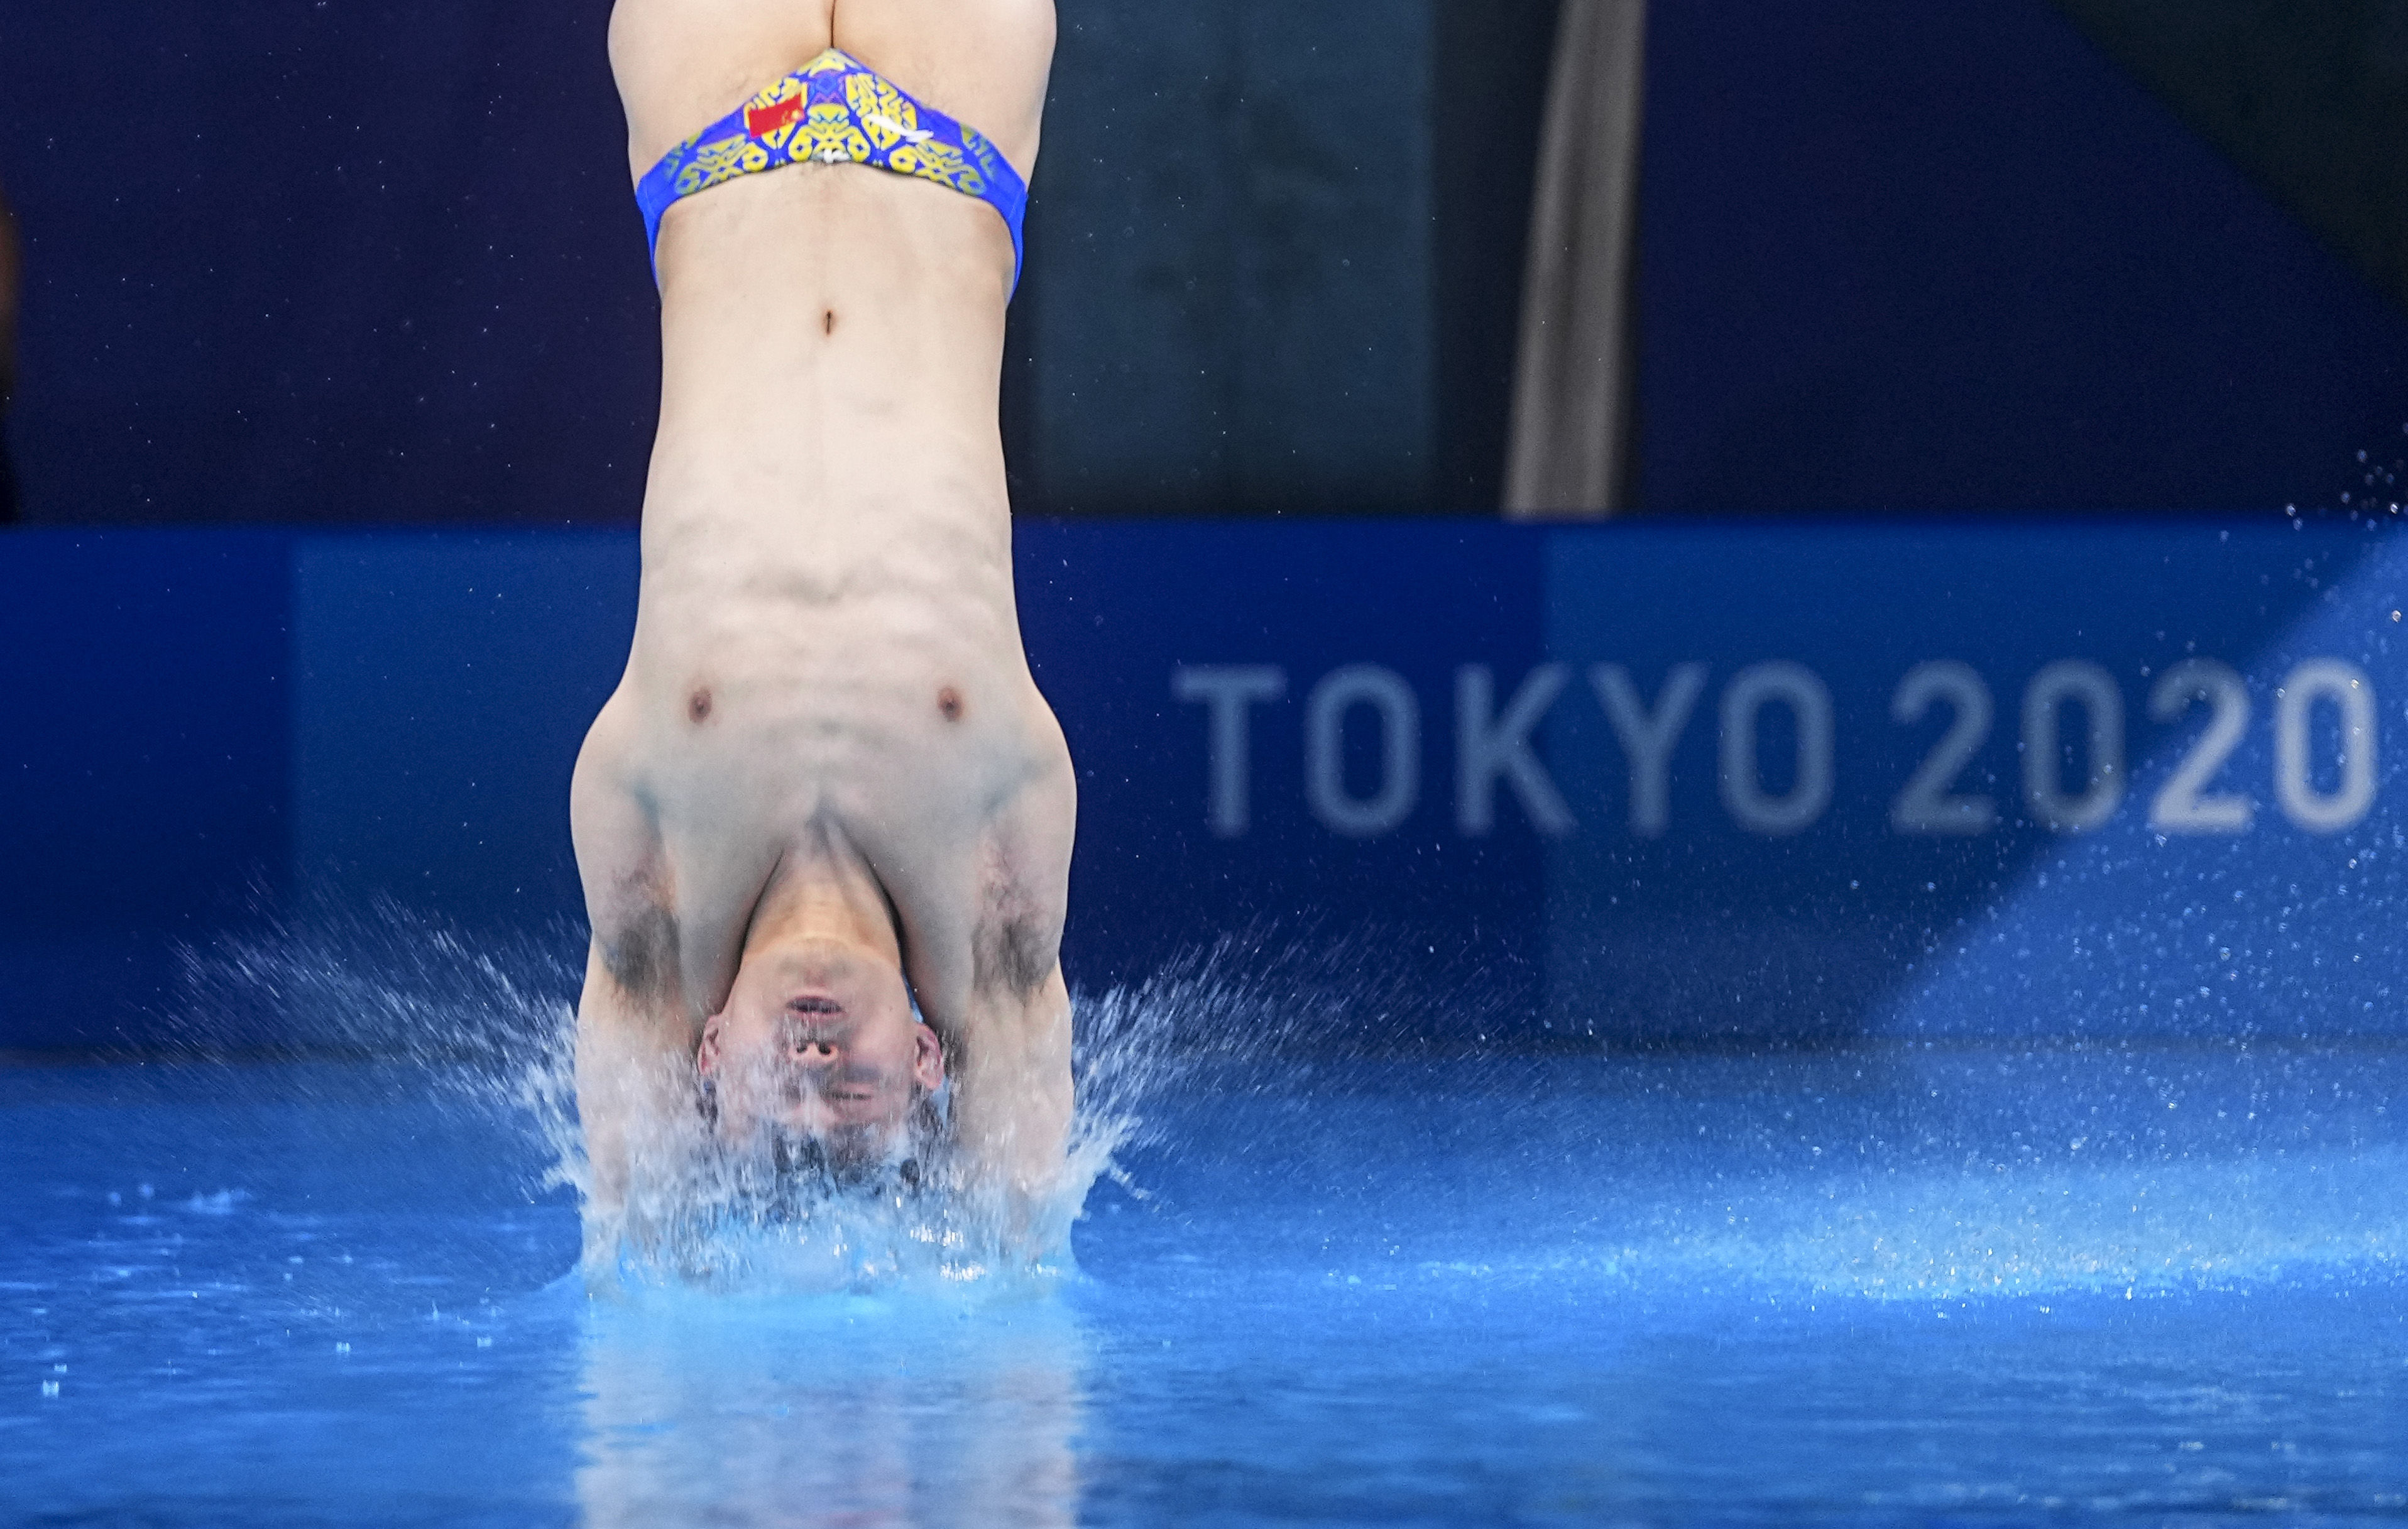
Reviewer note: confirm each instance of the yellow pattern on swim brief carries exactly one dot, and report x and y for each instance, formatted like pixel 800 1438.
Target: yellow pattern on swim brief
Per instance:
pixel 833 137
pixel 714 163
pixel 891 120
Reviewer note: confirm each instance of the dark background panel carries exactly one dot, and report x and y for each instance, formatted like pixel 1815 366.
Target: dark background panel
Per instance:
pixel 2310 99
pixel 297 261
pixel 1911 258
pixel 363 261
pixel 1489 93
pixel 1236 204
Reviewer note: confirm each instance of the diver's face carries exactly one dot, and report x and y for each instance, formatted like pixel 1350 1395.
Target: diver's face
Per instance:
pixel 817 1039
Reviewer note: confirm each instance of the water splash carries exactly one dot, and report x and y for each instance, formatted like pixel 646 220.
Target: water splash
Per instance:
pixel 488 1023
pixel 1276 1072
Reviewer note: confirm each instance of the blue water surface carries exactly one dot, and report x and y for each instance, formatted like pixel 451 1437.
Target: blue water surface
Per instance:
pixel 1904 1285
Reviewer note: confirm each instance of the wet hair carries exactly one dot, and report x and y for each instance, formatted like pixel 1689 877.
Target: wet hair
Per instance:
pixel 790 1169
pixel 802 1162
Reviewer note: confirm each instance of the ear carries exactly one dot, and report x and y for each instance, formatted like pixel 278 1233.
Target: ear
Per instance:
pixel 927 1058
pixel 706 1059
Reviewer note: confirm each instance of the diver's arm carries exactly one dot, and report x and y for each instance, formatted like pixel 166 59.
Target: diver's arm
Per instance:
pixel 1011 1105
pixel 603 1028
pixel 635 1099
pixel 636 1088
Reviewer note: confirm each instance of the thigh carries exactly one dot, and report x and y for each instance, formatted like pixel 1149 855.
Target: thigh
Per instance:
pixel 682 65
pixel 982 62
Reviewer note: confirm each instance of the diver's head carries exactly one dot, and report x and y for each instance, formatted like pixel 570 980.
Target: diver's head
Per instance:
pixel 818 1042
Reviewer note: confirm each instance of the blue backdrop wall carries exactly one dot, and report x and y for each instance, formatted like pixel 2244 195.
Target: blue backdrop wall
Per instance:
pixel 1702 786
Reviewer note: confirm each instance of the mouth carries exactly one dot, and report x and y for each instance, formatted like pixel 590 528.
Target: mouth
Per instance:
pixel 818 1004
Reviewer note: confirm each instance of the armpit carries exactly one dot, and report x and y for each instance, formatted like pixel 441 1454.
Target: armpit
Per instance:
pixel 1022 871
pixel 639 950
pixel 1019 942
pixel 1016 955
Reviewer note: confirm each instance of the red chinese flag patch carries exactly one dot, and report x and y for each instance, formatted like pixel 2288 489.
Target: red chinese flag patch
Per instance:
pixel 760 122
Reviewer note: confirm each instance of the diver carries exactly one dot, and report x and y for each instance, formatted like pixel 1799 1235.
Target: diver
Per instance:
pixel 823 823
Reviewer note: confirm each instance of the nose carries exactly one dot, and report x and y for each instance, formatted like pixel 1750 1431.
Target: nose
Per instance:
pixel 812 1051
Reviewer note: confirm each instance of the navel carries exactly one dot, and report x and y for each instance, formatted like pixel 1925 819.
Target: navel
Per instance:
pixel 949 701
pixel 697 705
pixel 827 322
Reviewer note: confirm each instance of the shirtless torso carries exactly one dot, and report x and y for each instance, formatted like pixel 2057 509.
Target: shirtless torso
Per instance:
pixel 827 730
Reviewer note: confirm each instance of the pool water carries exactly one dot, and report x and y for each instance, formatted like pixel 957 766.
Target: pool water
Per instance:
pixel 1903 1285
